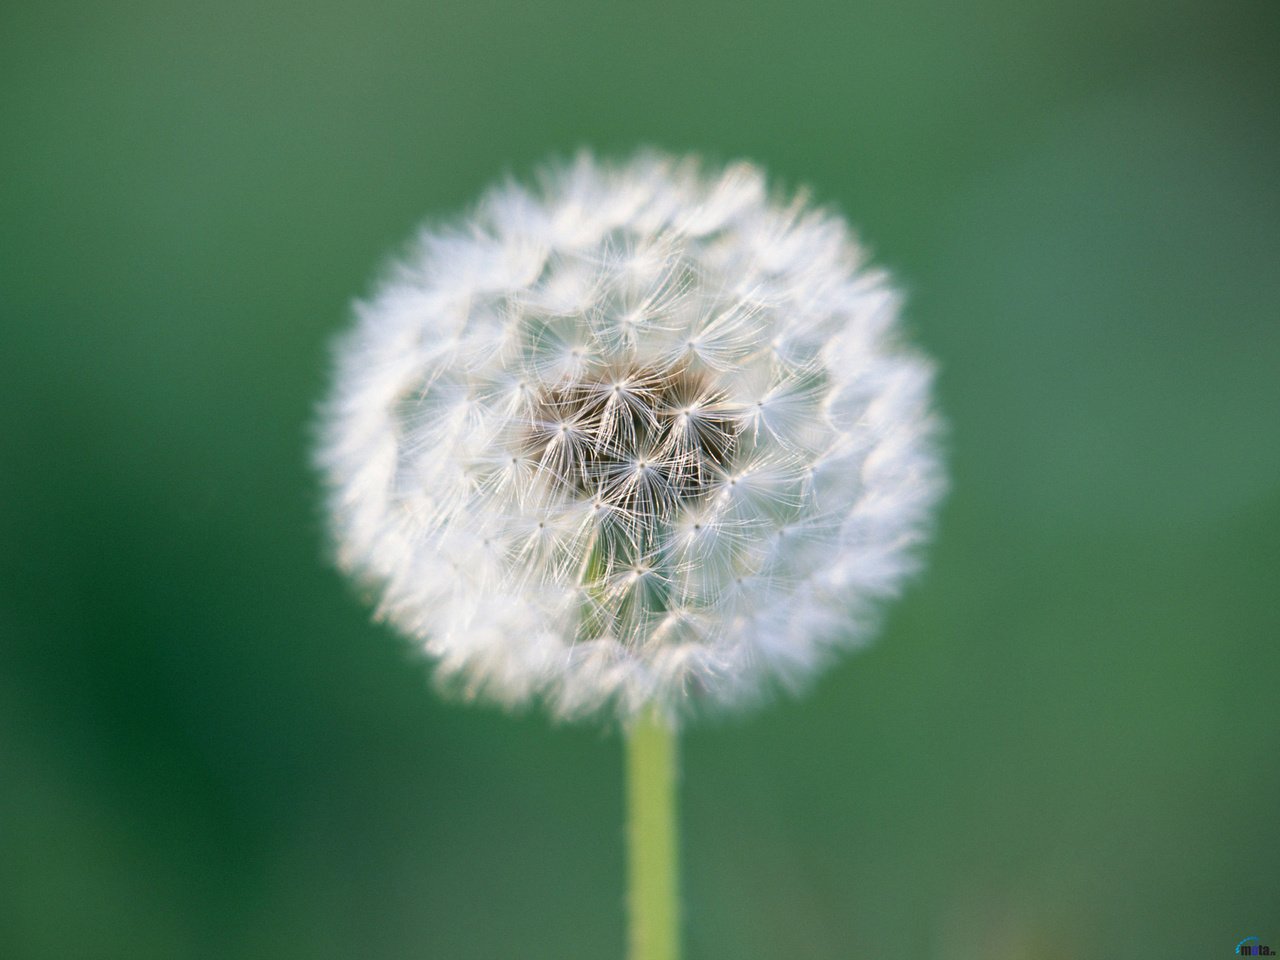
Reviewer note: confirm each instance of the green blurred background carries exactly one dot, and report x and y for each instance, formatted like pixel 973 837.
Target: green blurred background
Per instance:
pixel 1064 745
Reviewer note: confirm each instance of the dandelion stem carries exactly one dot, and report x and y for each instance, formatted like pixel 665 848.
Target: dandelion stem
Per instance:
pixel 651 839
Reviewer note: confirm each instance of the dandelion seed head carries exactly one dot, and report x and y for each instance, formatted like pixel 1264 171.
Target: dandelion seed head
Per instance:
pixel 640 436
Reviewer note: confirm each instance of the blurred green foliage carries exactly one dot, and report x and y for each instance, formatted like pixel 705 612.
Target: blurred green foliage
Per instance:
pixel 1064 745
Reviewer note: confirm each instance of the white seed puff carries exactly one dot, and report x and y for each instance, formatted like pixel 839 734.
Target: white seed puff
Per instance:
pixel 641 436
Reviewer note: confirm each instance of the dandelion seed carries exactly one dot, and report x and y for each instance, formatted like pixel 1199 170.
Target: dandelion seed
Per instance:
pixel 638 439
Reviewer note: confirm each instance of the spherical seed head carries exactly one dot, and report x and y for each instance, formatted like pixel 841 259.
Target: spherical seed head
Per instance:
pixel 640 437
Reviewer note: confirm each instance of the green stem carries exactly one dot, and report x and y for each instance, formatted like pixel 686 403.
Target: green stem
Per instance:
pixel 651 839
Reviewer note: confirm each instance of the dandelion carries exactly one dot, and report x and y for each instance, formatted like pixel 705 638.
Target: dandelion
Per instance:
pixel 642 440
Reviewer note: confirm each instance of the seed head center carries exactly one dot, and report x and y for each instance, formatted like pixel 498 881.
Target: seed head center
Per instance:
pixel 641 441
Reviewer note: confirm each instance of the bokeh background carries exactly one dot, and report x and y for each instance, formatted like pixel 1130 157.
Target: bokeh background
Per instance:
pixel 1066 743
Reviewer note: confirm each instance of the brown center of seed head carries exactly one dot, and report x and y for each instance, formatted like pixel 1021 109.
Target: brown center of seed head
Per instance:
pixel 640 441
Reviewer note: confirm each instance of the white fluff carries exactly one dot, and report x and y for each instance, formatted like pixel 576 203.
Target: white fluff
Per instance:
pixel 639 437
